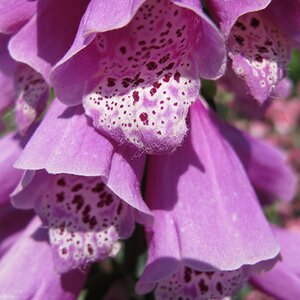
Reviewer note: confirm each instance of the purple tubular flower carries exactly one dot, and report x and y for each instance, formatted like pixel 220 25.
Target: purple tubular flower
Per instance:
pixel 259 40
pixel 86 214
pixel 139 89
pixel 48 35
pixel 201 245
pixel 243 101
pixel 265 165
pixel 15 13
pixel 283 281
pixel 22 88
pixel 30 258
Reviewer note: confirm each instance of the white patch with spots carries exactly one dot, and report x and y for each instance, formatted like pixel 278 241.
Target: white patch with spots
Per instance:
pixel 32 95
pixel 147 80
pixel 258 47
pixel 190 284
pixel 85 220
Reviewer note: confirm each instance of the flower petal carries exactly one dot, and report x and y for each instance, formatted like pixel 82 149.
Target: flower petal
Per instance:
pixel 30 256
pixel 85 220
pixel 65 143
pixel 265 165
pixel 283 282
pixel 12 224
pixel 139 91
pixel 7 70
pixel 227 12
pixel 42 42
pixel 287 15
pixel 76 151
pixel 196 285
pixel 9 177
pixel 260 52
pixel 31 99
pixel 202 191
pixel 15 13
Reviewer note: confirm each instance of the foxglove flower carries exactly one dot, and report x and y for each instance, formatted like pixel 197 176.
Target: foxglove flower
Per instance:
pixel 201 245
pixel 22 88
pixel 139 89
pixel 283 281
pixel 260 38
pixel 24 252
pixel 266 166
pixel 88 213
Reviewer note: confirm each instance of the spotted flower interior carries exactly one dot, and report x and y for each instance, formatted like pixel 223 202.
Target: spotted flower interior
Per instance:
pixel 147 77
pixel 260 52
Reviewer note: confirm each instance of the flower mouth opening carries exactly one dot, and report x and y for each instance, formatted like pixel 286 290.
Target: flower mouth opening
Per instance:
pixel 146 82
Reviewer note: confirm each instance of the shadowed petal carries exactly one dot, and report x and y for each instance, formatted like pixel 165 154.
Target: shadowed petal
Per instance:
pixel 74 147
pixel 48 35
pixel 7 71
pixel 283 281
pixel 265 165
pixel 15 13
pixel 202 191
pixel 30 259
pixel 9 176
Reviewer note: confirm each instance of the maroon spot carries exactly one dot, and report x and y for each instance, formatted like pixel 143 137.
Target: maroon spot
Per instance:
pixel 177 76
pixel 64 251
pixel 268 43
pixel 258 58
pixel 98 188
pixel 254 23
pixel 210 274
pixel 79 201
pixel 93 222
pixel 60 197
pixel 144 118
pixel 135 96
pixel 166 78
pixel 86 210
pixel 151 66
pixel 187 275
pixel 111 81
pixel 219 288
pixel 203 287
pixel 119 209
pixel 123 50
pixel 178 32
pixel 170 66
pixel 61 182
pixel 241 26
pixel 90 249
pixel 109 199
pixel 164 58
pixel 77 187
pixel 261 49
pixel 239 39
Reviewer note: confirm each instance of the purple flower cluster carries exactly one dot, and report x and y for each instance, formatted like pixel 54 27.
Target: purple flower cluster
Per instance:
pixel 127 138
